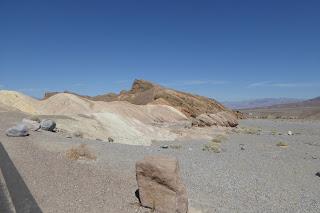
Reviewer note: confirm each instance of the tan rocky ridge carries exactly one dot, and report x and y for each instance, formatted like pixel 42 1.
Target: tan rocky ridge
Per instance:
pixel 122 121
pixel 201 110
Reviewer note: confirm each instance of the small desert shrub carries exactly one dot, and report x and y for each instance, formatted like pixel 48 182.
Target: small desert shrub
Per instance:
pixel 35 118
pixel 273 132
pixel 270 117
pixel 78 134
pixel 282 144
pixel 235 130
pixel 212 147
pixel 219 139
pixel 110 140
pixel 81 151
pixel 216 140
pixel 251 131
pixel 176 146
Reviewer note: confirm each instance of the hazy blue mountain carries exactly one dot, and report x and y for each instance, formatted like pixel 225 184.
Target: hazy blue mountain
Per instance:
pixel 263 102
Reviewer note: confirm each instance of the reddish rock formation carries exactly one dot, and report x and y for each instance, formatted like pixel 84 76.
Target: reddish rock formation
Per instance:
pixel 144 92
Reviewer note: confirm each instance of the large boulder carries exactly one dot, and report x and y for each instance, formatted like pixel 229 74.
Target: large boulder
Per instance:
pixel 160 184
pixel 48 125
pixel 32 125
pixel 20 130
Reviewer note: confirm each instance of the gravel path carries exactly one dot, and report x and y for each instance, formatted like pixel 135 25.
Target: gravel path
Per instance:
pixel 261 178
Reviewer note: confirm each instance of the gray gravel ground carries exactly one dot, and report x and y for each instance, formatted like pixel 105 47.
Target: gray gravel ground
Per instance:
pixel 261 178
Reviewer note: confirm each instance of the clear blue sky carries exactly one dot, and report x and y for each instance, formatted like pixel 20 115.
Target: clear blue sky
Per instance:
pixel 228 50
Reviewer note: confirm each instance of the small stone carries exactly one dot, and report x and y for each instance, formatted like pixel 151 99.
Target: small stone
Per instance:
pixel 290 133
pixel 164 146
pixel 78 134
pixel 110 140
pixel 19 130
pixel 48 125
pixel 242 147
pixel 318 174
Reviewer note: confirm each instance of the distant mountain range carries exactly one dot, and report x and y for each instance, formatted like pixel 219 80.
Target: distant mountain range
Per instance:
pixel 314 102
pixel 257 103
pixel 308 109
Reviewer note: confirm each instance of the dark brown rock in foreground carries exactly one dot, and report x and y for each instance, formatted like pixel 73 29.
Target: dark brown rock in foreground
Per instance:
pixel 160 185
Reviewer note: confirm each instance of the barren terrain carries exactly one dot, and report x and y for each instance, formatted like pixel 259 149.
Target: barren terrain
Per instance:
pixel 250 172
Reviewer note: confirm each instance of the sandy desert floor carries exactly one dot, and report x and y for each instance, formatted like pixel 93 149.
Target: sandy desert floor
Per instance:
pixel 260 177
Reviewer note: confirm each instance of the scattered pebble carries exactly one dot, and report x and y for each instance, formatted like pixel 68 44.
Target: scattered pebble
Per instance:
pixel 318 174
pixel 242 146
pixel 164 146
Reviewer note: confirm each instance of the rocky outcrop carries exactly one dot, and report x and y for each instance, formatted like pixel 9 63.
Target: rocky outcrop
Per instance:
pixel 160 185
pixel 193 106
pixel 144 92
pixel 240 115
pixel 223 118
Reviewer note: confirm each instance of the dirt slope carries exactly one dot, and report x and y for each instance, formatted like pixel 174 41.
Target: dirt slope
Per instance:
pixel 16 100
pixel 123 121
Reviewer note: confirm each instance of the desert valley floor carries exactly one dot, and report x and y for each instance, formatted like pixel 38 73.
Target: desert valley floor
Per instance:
pixel 252 172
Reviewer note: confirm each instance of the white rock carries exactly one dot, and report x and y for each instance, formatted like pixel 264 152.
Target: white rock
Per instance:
pixel 32 125
pixel 20 130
